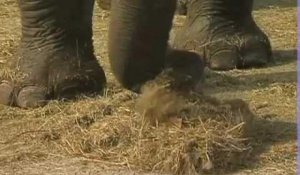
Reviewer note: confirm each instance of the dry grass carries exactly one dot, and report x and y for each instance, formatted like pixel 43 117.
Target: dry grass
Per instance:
pixel 113 131
pixel 196 134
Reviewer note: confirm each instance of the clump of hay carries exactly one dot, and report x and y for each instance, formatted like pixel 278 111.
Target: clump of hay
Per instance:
pixel 182 133
pixel 194 132
pixel 172 132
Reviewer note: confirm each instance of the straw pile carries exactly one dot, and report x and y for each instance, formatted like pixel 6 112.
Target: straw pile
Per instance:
pixel 171 132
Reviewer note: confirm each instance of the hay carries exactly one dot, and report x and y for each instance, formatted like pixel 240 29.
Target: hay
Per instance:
pixel 173 133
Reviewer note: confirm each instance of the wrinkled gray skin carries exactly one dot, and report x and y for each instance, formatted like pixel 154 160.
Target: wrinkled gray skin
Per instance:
pixel 57 54
pixel 224 33
pixel 181 6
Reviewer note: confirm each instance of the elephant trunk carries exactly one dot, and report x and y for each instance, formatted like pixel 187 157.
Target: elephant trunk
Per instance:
pixel 139 32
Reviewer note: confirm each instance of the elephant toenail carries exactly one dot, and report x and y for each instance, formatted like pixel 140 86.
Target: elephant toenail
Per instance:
pixel 6 93
pixel 224 60
pixel 31 97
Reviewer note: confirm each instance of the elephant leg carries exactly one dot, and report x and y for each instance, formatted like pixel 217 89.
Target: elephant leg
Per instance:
pixel 56 53
pixel 181 6
pixel 224 33
pixel 138 36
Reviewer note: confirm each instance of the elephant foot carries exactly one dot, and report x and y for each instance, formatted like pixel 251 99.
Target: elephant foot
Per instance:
pixel 186 69
pixel 67 82
pixel 225 34
pixel 240 50
pixel 57 58
pixel 61 79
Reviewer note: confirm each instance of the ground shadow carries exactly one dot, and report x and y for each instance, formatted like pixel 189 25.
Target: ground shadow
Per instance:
pixel 266 133
pixel 253 81
pixel 282 57
pixel 248 82
pixel 261 4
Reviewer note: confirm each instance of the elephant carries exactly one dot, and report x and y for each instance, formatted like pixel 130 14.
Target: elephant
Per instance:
pixel 224 33
pixel 181 6
pixel 231 33
pixel 57 58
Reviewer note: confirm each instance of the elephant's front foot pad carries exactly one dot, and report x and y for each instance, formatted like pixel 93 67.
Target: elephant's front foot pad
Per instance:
pixel 6 93
pixel 32 97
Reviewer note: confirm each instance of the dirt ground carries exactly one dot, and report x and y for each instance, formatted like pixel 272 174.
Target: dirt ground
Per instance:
pixel 270 91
